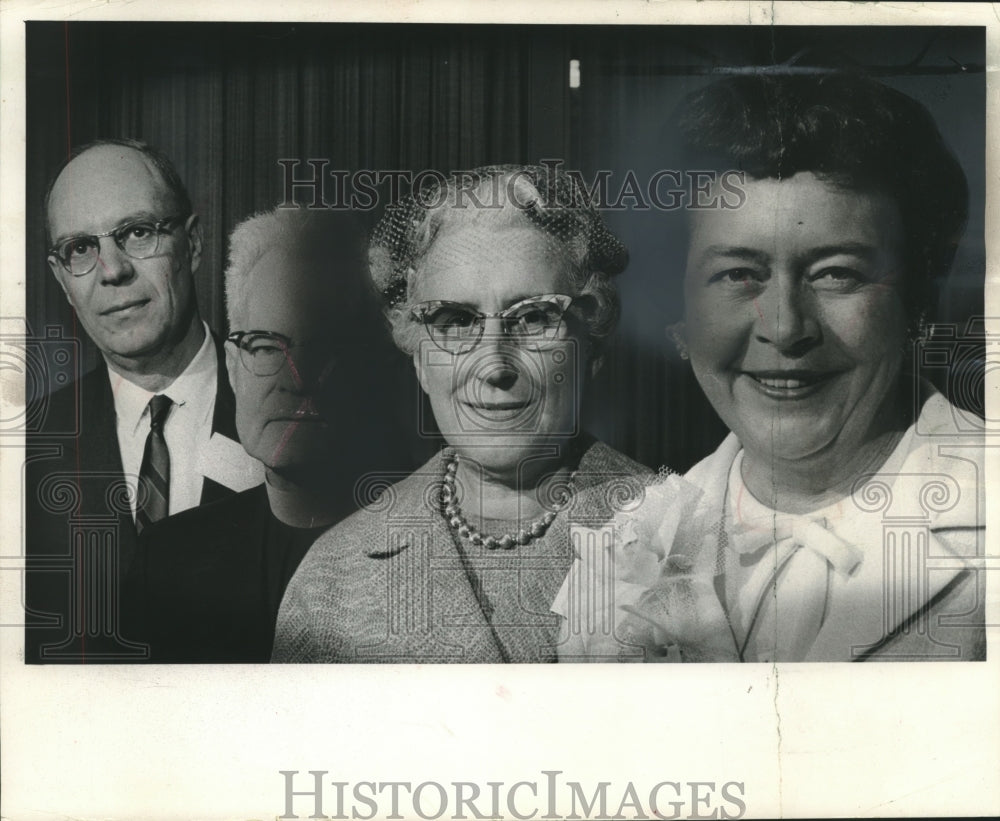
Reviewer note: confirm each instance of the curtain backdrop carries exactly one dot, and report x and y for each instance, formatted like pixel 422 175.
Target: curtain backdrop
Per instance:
pixel 227 102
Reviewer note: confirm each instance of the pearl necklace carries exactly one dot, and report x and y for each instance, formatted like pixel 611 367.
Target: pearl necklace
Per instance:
pixel 457 521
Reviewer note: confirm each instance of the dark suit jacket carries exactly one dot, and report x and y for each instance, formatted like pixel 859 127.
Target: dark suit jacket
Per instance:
pixel 206 584
pixel 79 533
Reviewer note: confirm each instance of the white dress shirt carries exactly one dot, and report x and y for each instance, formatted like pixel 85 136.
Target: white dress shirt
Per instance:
pixel 187 431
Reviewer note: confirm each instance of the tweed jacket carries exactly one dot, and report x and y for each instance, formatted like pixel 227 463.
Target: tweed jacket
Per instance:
pixel 388 584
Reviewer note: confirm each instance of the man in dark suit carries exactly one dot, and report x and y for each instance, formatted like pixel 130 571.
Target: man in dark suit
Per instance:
pixel 149 433
pixel 313 395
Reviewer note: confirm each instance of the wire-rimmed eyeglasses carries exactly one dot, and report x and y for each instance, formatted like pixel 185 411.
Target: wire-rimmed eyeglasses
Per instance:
pixel 139 239
pixel 535 322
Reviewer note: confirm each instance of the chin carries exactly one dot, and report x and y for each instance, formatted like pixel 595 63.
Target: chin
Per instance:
pixel 133 346
pixel 279 448
pixel 502 454
pixel 798 441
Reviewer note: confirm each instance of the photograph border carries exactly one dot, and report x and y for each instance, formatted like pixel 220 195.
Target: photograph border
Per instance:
pixel 212 741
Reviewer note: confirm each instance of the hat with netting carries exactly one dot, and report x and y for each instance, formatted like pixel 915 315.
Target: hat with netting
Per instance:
pixel 553 201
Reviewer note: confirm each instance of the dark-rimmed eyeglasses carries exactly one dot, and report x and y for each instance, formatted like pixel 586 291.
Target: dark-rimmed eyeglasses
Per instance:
pixel 536 322
pixel 139 240
pixel 263 353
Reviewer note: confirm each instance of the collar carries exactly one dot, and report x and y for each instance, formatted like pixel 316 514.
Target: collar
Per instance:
pixel 931 483
pixel 753 526
pixel 933 477
pixel 936 444
pixel 195 381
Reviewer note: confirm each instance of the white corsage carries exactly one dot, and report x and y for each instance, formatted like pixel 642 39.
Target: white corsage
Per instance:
pixel 633 593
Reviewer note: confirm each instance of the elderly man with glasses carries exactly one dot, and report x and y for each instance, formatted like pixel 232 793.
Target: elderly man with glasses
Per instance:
pixel 148 434
pixel 305 362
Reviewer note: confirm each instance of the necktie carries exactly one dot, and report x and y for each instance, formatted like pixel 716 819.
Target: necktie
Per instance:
pixel 154 475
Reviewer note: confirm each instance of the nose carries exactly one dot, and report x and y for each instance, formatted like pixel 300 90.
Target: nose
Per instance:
pixel 497 355
pixel 786 317
pixel 306 371
pixel 114 266
pixel 499 373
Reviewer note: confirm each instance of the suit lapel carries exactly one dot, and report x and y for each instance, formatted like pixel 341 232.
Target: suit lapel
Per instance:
pixel 100 456
pixel 906 567
pixel 431 610
pixel 890 591
pixel 225 457
pixel 212 491
pixel 457 614
pixel 224 416
pixel 98 437
pixel 223 421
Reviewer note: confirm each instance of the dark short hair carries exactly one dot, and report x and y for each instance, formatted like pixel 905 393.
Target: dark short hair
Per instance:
pixel 850 130
pixel 159 160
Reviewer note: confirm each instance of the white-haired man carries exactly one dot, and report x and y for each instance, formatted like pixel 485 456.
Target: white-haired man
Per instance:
pixel 303 358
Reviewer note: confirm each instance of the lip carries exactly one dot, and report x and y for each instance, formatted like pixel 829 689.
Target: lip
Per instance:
pixel 298 417
pixel 496 406
pixel 789 384
pixel 496 412
pixel 124 307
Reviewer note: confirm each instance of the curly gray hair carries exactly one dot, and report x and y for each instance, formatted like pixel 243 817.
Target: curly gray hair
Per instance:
pixel 541 197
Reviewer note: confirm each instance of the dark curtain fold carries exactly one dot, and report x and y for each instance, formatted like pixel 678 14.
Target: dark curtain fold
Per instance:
pixel 227 101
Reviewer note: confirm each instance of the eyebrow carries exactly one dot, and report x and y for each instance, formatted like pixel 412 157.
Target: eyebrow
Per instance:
pixel 736 251
pixel 137 217
pixel 858 249
pixel 473 308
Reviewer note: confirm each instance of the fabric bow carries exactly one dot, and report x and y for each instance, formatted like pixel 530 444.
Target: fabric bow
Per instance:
pixel 749 536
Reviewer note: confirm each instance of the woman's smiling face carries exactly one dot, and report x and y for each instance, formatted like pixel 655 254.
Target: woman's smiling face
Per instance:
pixel 793 318
pixel 500 403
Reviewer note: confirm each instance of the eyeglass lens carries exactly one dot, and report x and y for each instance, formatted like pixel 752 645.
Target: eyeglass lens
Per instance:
pixel 454 326
pixel 263 355
pixel 139 240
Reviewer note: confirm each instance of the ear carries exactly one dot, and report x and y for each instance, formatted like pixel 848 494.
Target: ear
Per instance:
pixel 677 333
pixel 57 272
pixel 193 228
pixel 418 366
pixel 595 365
